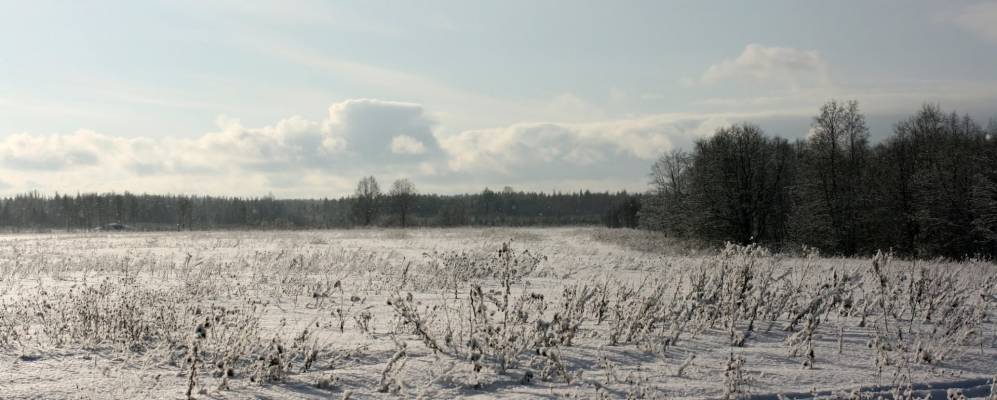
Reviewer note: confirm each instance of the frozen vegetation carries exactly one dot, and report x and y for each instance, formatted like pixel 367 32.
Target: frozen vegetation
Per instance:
pixel 437 313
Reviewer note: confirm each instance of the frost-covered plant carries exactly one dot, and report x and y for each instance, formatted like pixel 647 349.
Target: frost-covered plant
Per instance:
pixel 391 381
pixel 452 270
pixel 808 343
pixel 638 311
pixel 407 309
pixel 500 326
pixel 735 381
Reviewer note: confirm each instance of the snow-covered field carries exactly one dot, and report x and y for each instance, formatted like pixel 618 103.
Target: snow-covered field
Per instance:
pixel 482 313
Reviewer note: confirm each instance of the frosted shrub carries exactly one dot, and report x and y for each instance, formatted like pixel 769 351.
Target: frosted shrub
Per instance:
pixel 453 269
pixel 502 327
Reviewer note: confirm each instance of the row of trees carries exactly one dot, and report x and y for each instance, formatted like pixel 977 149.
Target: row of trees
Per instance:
pixel 401 206
pixel 929 189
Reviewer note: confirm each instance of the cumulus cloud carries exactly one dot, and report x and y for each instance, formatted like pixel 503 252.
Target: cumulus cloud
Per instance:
pixel 356 136
pixel 291 141
pixel 22 151
pixel 521 147
pixel 784 65
pixel 355 133
pixel 298 156
pixel 980 19
pixel 56 152
pixel 370 128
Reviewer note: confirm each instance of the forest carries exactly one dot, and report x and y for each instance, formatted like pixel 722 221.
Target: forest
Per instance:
pixel 927 190
pixel 400 206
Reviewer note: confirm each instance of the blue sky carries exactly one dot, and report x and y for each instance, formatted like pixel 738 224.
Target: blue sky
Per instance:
pixel 300 98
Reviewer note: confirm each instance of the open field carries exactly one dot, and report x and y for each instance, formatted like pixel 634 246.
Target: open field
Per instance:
pixel 583 313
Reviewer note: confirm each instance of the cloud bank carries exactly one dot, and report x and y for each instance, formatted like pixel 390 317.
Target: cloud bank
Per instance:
pixel 297 156
pixel 519 148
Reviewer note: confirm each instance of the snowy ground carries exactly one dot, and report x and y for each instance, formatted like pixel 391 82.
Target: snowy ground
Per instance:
pixel 585 313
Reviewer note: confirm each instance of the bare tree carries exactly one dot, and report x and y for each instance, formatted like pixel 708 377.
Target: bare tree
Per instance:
pixel 670 174
pixel 835 167
pixel 739 181
pixel 368 197
pixel 667 207
pixel 402 198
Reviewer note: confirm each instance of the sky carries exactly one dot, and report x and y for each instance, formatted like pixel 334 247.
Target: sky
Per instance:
pixel 302 98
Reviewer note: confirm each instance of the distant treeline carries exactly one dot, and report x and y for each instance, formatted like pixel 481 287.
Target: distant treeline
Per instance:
pixel 402 206
pixel 929 189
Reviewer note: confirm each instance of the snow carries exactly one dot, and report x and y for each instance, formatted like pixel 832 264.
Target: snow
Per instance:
pixel 277 285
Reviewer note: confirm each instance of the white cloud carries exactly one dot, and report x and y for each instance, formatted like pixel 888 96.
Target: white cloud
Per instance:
pixel 297 156
pixel 783 65
pixel 358 136
pixel 980 19
pixel 404 144
pixel 521 147
pixel 82 148
pixel 370 127
pixel 293 140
